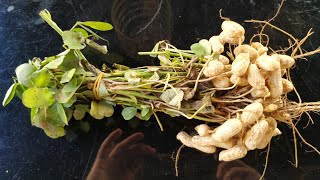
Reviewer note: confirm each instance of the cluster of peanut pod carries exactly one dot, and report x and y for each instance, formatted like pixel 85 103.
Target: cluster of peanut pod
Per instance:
pixel 259 82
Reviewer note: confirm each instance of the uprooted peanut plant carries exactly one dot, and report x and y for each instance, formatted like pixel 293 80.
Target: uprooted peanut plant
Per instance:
pixel 238 90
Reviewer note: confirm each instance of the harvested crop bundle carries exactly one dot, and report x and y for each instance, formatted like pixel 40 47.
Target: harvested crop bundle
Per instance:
pixel 239 93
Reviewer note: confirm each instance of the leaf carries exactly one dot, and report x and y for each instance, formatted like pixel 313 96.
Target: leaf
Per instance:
pixel 64 94
pixel 33 113
pixel 41 78
pixel 55 63
pixel 101 109
pixel 37 97
pixel 80 111
pixel 23 73
pixel 128 113
pixel 53 131
pixel 20 89
pixel 70 102
pixel 102 48
pixel 198 49
pixel 74 40
pixel 163 58
pixel 131 77
pixel 67 76
pixel 101 26
pixel 71 61
pixel 145 111
pixel 82 31
pixel 172 96
pixel 102 90
pixel 54 114
pixel 147 116
pixel 10 94
pixel 134 99
pixel 206 45
pixel 155 76
pixel 69 113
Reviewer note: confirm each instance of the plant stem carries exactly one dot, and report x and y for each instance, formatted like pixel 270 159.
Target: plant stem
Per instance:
pixel 45 15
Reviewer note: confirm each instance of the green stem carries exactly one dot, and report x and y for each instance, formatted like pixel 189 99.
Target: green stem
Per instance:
pixel 45 15
pixel 133 93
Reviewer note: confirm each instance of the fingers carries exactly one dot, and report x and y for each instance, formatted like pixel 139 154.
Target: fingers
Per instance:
pixel 142 149
pixel 108 144
pixel 126 144
pixel 241 173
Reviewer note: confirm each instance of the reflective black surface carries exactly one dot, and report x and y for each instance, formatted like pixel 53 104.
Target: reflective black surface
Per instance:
pixel 25 151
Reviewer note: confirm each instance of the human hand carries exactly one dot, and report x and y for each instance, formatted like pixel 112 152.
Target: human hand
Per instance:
pixel 234 170
pixel 122 161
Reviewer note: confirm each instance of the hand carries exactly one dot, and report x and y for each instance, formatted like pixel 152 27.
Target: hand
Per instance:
pixel 122 161
pixel 235 170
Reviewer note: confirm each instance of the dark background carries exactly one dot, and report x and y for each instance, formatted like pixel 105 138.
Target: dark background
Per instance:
pixel 25 151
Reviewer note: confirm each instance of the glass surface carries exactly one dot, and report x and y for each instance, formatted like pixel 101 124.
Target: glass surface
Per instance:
pixel 27 153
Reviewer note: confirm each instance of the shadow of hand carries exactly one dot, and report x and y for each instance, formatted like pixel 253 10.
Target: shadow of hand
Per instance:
pixel 121 161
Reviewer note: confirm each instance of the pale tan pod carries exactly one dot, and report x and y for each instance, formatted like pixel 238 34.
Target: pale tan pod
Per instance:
pixel 227 38
pixel 221 82
pixel 285 61
pixel 268 63
pixel 260 93
pixel 223 59
pixel 232 28
pixel 276 132
pixel 262 51
pixel 228 129
pixel 274 83
pixel 251 113
pixel 213 68
pixel 203 129
pixel 270 108
pixel 206 149
pixel 185 138
pixel 272 123
pixel 209 141
pixel 216 44
pixel 239 80
pixel 234 153
pixel 255 79
pixel 245 48
pixel 240 64
pixel 256 134
pixel 256 45
pixel 287 86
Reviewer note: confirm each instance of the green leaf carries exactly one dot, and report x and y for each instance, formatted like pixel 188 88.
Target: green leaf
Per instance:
pixel 71 61
pixel 82 31
pixel 128 113
pixel 54 131
pixel 10 94
pixel 74 40
pixel 55 63
pixel 145 111
pixel 101 109
pixel 80 111
pixel 54 114
pixel 37 97
pixel 67 76
pixel 206 45
pixel 103 92
pixel 70 102
pixel 69 113
pixel 101 26
pixel 64 94
pixel 20 89
pixel 147 116
pixel 84 126
pixel 172 96
pixel 41 78
pixel 33 113
pixel 23 73
pixel 198 49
